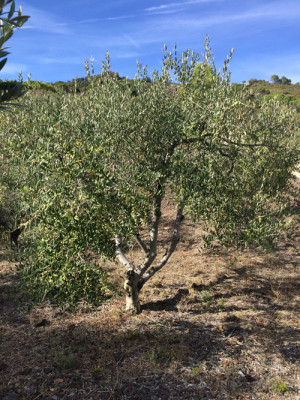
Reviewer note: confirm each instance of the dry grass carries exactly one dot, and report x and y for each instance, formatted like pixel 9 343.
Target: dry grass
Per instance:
pixel 215 324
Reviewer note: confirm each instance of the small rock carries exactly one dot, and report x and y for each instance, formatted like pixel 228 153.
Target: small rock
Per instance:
pixel 43 322
pixel 229 329
pixel 249 378
pixel 232 318
pixel 118 356
pixel 25 371
pixel 3 366
pixel 71 327
pixel 11 396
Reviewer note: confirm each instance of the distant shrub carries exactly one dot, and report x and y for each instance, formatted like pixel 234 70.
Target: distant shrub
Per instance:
pixel 253 81
pixel 282 98
pixel 262 91
pixel 238 86
pixel 37 85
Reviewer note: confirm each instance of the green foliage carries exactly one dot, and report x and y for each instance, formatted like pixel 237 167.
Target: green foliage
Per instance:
pixel 64 357
pixel 289 94
pixel 282 98
pixel 196 370
pixel 202 78
pixel 65 276
pixel 254 81
pixel 221 303
pixel 279 386
pixel 132 335
pixel 87 167
pixel 283 80
pixel 162 355
pixel 37 85
pixel 275 79
pixel 8 22
pixel 261 91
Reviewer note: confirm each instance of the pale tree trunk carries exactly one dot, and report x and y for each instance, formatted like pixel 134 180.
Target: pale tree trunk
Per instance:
pixel 132 293
pixel 136 277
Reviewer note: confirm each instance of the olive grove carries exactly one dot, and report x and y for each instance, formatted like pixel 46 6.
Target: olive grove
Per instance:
pixel 92 169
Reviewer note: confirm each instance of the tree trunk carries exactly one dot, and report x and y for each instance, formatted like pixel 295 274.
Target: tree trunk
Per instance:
pixel 132 293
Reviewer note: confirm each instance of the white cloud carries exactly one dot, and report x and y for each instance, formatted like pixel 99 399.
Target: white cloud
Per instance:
pixel 165 7
pixel 12 69
pixel 44 21
pixel 129 54
pixel 275 11
pixel 92 20
pixel 120 17
pixel 62 60
pixel 167 11
pixel 129 39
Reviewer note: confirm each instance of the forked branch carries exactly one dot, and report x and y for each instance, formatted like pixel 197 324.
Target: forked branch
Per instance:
pixel 171 249
pixel 141 243
pixel 121 256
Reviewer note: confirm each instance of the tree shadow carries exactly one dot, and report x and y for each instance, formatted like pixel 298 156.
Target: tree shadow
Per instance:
pixel 169 304
pixel 184 346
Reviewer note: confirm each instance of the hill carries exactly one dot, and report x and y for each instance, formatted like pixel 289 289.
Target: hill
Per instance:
pixel 285 93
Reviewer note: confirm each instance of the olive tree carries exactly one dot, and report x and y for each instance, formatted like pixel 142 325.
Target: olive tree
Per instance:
pixel 96 167
pixel 8 22
pixel 8 90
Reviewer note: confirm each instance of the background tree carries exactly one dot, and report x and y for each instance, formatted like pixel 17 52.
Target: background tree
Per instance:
pixel 275 79
pixel 96 168
pixel 285 80
pixel 8 22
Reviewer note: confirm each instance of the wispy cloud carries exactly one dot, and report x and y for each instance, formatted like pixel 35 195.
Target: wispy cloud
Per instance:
pixel 166 11
pixel 44 21
pixel 129 54
pixel 61 60
pixel 167 7
pixel 120 17
pixel 93 20
pixel 54 43
pixel 13 69
pixel 90 20
pixel 273 11
pixel 131 40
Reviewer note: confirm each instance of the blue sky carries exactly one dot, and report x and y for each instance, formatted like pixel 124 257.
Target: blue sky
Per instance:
pixel 60 35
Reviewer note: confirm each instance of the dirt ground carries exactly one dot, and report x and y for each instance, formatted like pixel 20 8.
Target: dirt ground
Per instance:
pixel 216 324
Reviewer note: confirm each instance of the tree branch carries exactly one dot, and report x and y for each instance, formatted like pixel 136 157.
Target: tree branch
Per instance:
pixel 141 243
pixel 156 214
pixel 230 158
pixel 195 139
pixel 250 145
pixel 170 251
pixel 121 256
pixel 155 218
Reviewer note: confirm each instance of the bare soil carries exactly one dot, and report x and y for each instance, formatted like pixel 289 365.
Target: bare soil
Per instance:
pixel 216 324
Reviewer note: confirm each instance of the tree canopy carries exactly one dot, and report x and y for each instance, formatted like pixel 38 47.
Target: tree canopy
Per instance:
pixel 283 80
pixel 91 171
